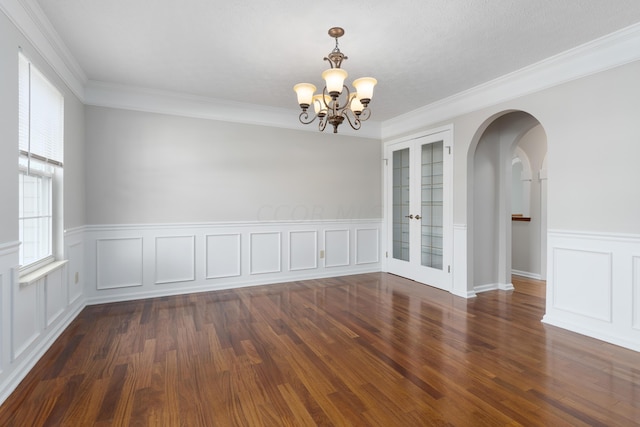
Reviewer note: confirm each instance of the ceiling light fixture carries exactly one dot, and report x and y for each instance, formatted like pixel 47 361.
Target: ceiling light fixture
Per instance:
pixel 336 101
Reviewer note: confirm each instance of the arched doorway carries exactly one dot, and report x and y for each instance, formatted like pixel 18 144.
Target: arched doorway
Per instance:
pixel 490 184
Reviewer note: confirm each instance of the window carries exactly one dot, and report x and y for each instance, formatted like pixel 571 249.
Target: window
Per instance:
pixel 41 119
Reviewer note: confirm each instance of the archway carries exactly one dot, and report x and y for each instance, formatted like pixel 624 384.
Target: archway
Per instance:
pixel 489 215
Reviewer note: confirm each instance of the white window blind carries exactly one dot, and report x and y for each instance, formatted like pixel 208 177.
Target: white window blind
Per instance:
pixel 41 116
pixel 40 142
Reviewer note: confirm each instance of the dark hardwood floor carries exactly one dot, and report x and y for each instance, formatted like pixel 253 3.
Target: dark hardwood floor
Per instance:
pixel 371 349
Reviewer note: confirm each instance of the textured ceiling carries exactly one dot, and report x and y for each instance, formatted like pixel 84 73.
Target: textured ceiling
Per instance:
pixel 255 51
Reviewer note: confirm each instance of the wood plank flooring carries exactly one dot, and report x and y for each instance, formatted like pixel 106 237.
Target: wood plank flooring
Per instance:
pixel 364 350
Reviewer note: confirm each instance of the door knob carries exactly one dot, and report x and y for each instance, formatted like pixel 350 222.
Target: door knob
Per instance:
pixel 418 217
pixel 410 216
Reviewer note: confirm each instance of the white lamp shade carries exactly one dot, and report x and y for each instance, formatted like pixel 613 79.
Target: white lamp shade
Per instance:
pixel 364 87
pixel 334 78
pixel 356 105
pixel 305 92
pixel 319 105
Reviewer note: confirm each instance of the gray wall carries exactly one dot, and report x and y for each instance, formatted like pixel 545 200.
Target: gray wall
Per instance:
pixel 9 40
pixel 154 168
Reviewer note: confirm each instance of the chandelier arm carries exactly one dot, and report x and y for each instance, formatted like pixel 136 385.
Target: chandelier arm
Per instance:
pixel 304 118
pixel 356 123
pixel 322 124
pixel 365 114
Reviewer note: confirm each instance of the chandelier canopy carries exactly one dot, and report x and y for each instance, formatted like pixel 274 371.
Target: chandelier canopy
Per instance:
pixel 336 103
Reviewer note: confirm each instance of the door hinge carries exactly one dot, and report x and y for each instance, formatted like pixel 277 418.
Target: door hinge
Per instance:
pixel 449 269
pixel 386 162
pixel 386 254
pixel 449 148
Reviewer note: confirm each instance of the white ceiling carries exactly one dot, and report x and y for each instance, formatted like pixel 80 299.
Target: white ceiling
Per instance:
pixel 255 51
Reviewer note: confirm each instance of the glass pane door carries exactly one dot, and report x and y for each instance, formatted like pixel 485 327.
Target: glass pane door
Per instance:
pixel 401 178
pixel 431 209
pixel 418 209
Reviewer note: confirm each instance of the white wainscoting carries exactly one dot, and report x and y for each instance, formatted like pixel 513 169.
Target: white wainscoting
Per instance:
pixel 337 248
pixel 223 255
pixel 36 308
pixel 303 253
pixel 74 253
pixel 175 259
pixel 25 319
pixel 119 262
pixel 126 262
pixel 367 245
pixel 266 252
pixel 593 285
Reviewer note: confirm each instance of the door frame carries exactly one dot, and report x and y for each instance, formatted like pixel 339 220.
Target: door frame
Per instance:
pixel 387 228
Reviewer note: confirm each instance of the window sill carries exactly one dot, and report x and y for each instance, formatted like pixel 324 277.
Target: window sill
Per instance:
pixel 34 276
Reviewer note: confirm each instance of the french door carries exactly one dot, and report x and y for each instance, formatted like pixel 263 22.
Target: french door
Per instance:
pixel 418 211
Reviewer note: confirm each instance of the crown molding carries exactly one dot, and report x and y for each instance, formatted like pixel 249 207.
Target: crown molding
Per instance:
pixel 31 21
pixel 613 50
pixel 102 94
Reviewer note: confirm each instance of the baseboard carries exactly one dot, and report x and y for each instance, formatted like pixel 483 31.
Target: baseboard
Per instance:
pixel 467 295
pixel 526 274
pixel 493 287
pixel 485 288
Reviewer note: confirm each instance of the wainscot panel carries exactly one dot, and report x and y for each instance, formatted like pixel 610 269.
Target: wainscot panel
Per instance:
pixel 8 262
pixel 175 259
pixel 125 262
pixel 75 268
pixel 25 307
pixel 55 295
pixel 303 252
pixel 119 262
pixel 367 245
pixel 592 285
pixel 266 250
pixel 336 248
pixel 223 255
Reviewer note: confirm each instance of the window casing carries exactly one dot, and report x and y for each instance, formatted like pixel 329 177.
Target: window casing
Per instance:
pixel 41 119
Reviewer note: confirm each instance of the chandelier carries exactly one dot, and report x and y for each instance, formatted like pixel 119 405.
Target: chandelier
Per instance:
pixel 336 103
